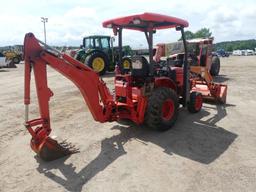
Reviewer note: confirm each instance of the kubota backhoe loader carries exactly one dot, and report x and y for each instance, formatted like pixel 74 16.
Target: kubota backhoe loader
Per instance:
pixel 148 94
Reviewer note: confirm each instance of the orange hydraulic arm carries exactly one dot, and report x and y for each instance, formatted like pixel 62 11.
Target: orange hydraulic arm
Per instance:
pixel 92 88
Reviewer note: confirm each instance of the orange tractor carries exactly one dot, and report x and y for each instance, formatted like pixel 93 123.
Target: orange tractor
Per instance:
pixel 203 65
pixel 147 94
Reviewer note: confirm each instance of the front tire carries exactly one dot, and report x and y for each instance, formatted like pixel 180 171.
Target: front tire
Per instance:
pixel 126 64
pixel 162 110
pixel 98 62
pixel 195 103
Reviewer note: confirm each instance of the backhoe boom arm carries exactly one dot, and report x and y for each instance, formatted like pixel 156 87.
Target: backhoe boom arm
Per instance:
pixel 93 89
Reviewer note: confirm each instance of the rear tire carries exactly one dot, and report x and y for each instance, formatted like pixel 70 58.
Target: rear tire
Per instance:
pixel 98 62
pixel 215 68
pixel 162 110
pixel 196 102
pixel 16 60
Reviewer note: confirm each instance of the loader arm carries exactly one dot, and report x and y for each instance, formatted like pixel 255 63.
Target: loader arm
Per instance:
pixel 93 89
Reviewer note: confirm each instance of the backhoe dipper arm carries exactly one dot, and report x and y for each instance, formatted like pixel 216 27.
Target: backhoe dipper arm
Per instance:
pixel 92 88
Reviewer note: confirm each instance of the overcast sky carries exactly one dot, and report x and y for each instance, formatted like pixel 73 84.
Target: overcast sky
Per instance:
pixel 69 20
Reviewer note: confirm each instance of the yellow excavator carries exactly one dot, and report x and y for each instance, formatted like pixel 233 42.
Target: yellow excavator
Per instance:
pixel 15 56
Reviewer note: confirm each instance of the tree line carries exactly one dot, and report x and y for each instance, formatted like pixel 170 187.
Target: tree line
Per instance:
pixel 226 45
pixel 236 45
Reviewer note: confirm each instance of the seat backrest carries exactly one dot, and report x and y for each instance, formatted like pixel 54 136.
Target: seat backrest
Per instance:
pixel 140 66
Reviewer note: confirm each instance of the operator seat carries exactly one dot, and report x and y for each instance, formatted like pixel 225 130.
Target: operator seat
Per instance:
pixel 140 66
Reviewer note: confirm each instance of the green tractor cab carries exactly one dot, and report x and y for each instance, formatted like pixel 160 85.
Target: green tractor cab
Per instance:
pixel 98 52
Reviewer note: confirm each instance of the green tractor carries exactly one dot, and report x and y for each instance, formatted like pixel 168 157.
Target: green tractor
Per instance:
pixel 98 53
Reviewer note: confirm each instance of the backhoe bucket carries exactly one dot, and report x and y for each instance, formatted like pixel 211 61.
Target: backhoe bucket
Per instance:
pixel 49 149
pixel 215 92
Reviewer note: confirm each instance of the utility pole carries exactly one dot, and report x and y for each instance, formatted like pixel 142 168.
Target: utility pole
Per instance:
pixel 44 20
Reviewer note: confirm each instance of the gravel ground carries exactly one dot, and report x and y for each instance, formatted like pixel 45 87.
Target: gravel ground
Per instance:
pixel 214 150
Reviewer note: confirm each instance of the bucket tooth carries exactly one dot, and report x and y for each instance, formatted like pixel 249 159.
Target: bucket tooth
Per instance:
pixel 50 149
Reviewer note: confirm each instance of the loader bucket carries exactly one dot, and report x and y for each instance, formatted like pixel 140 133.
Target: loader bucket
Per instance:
pixel 50 149
pixel 214 93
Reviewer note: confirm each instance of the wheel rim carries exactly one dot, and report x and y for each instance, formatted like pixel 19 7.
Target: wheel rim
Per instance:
pixel 15 60
pixel 167 109
pixel 198 102
pixel 126 64
pixel 98 64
